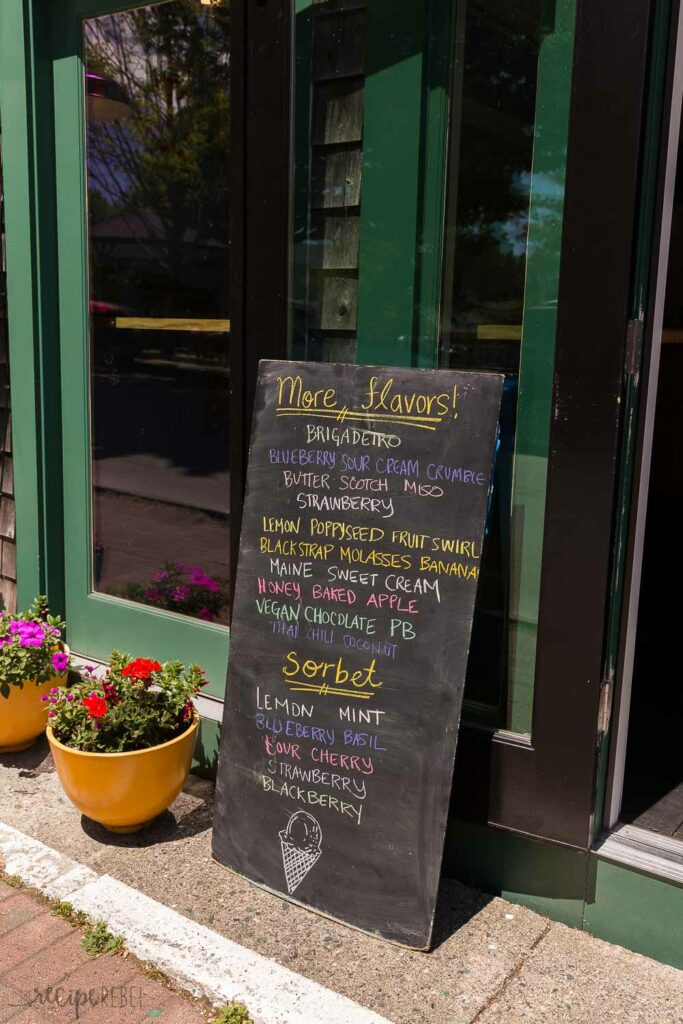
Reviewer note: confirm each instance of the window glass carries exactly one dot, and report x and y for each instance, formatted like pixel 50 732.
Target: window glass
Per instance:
pixel 509 113
pixel 157 145
pixel 429 160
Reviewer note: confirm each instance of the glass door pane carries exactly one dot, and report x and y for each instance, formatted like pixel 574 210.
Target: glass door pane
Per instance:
pixel 509 116
pixel 157 116
pixel 143 157
pixel 429 148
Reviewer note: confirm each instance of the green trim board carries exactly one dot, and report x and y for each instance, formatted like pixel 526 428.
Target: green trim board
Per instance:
pixel 635 910
pixel 25 112
pixel 391 171
pixel 548 878
pixel 432 183
pixel 583 890
pixel 205 760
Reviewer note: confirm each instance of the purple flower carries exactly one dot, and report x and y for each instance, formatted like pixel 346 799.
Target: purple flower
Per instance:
pixel 207 614
pixel 44 697
pixel 52 714
pixel 210 584
pixel 69 697
pixel 153 594
pixel 181 593
pixel 30 634
pixel 157 577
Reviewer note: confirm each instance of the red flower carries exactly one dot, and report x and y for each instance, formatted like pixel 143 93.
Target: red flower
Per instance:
pixel 141 668
pixel 96 706
pixel 111 694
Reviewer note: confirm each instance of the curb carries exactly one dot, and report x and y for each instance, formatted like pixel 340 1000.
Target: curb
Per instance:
pixel 196 958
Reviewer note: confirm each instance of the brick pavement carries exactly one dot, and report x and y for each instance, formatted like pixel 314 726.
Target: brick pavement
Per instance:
pixel 46 977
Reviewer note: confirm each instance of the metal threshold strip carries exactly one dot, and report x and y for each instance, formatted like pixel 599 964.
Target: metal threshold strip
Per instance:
pixel 644 851
pixel 207 705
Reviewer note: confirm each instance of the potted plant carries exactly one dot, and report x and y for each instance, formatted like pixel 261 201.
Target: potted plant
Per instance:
pixel 123 743
pixel 33 659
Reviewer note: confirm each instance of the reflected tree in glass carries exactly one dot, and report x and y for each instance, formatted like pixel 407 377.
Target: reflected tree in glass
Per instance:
pixel 158 144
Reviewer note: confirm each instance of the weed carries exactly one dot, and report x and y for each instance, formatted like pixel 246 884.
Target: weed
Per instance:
pixel 69 913
pixel 155 973
pixel 12 880
pixel 233 1013
pixel 97 939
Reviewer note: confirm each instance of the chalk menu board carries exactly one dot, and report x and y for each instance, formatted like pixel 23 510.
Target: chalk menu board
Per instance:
pixel 360 552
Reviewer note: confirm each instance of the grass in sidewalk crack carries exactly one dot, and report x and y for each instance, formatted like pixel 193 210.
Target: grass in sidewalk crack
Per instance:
pixel 97 939
pixel 69 913
pixel 156 974
pixel 12 880
pixel 233 1013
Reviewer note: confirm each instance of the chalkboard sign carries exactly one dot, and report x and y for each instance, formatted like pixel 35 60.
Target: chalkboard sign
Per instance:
pixel 360 552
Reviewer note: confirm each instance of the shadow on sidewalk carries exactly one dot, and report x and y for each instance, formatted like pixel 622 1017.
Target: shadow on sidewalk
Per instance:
pixel 191 815
pixel 456 904
pixel 34 761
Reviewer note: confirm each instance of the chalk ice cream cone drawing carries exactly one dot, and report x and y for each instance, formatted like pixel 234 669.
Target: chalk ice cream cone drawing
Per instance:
pixel 301 847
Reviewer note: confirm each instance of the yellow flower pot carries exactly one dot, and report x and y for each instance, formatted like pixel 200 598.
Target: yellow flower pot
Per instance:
pixel 125 792
pixel 23 715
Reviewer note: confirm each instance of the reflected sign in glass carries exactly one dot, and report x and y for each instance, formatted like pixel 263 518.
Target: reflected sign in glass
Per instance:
pixel 158 145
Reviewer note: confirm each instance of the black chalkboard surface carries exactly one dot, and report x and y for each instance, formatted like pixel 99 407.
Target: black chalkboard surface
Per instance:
pixel 367 491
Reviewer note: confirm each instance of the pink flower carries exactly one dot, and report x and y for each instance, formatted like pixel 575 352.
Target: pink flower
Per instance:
pixel 207 614
pixel 181 593
pixel 60 661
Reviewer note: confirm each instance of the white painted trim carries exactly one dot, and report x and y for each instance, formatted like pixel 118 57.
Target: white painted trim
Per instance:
pixel 196 958
pixel 630 617
pixel 641 850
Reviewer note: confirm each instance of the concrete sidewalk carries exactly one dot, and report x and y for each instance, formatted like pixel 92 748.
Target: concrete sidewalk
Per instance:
pixel 492 961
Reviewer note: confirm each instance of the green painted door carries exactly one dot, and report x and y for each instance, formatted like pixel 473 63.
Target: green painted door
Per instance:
pixel 142 110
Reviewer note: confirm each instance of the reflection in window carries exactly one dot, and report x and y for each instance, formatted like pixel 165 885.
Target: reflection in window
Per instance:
pixel 509 105
pixel 158 141
pixel 329 76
